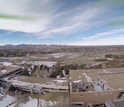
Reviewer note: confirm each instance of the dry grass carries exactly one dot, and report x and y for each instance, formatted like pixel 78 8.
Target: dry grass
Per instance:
pixel 79 60
pixel 118 53
pixel 49 96
pixel 40 55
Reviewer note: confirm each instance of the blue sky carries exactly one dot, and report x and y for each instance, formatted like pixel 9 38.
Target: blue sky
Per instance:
pixel 62 22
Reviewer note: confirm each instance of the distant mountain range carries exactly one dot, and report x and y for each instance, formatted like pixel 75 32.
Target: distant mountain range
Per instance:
pixel 60 48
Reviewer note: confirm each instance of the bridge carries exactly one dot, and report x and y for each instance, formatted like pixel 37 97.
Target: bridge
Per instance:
pixel 14 72
pixel 3 82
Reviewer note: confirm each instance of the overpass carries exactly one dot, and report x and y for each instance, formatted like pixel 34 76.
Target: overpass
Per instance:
pixel 14 72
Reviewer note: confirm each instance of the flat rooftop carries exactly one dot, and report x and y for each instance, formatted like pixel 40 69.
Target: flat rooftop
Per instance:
pixel 79 74
pixel 119 104
pixel 75 74
pixel 116 81
pixel 47 81
pixel 114 104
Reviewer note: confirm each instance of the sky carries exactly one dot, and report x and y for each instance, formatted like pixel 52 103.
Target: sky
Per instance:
pixel 62 22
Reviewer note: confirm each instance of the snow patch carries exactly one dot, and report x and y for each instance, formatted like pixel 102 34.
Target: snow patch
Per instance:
pixel 110 59
pixel 77 81
pixel 3 71
pixel 6 101
pixel 47 63
pixel 7 63
pixel 60 81
pixel 33 102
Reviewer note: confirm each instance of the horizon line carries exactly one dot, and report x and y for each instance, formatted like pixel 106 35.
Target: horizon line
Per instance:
pixel 61 45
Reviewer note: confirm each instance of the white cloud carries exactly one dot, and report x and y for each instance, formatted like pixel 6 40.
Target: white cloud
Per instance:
pixel 16 25
pixel 111 32
pixel 80 20
pixel 115 40
pixel 26 8
pixel 51 19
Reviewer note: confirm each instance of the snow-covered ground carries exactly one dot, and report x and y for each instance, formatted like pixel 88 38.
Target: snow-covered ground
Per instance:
pixel 77 81
pixel 47 63
pixel 60 55
pixel 3 71
pixel 11 101
pixel 110 59
pixel 6 101
pixel 32 102
pixel 68 55
pixel 6 63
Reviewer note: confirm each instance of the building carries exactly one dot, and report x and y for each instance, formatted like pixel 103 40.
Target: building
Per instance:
pixel 87 87
pixel 115 103
pixel 39 85
pixel 95 87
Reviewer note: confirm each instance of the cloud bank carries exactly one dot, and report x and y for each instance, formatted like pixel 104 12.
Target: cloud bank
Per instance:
pixel 73 22
pixel 51 17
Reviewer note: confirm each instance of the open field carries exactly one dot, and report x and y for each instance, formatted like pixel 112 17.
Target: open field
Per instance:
pixel 73 58
pixel 79 60
pixel 117 53
pixel 90 60
pixel 64 54
pixel 67 58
